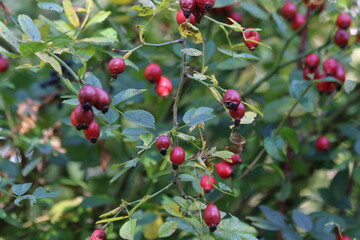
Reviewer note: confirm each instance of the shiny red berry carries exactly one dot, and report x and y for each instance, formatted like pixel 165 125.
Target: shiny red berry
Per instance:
pixel 180 18
pixel 102 101
pixel 163 87
pixel 187 6
pixel 251 35
pixel 153 72
pixel 343 21
pixel 207 183
pixel 116 66
pixel 235 159
pixel 312 61
pixel 238 113
pixel 87 97
pixel 288 10
pixel 163 143
pixel 298 21
pixel 329 66
pixel 224 170
pixel 93 132
pixel 326 87
pixel 83 118
pixel 73 120
pixel 177 156
pixel 237 17
pixel 322 144
pixel 231 99
pixel 341 38
pixel 4 65
pixel 212 216
pixel 98 234
pixel 198 14
pixel 343 237
pixel 205 4
pixel 340 73
pixel 309 74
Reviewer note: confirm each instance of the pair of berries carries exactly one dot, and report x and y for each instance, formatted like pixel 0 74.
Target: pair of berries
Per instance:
pixel 232 101
pixel 163 85
pixel 94 96
pixel 322 144
pixel 196 7
pixel 289 12
pixel 98 234
pixel 177 154
pixel 341 37
pixel 4 65
pixel 251 39
pixel 180 18
pixel 212 216
pixel 116 66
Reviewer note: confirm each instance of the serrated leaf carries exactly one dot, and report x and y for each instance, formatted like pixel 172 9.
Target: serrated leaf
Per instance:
pixel 127 230
pixel 71 14
pixel 50 6
pixel 40 193
pixel 191 51
pixel 31 198
pixel 29 48
pixel 172 208
pixel 233 228
pixel 196 116
pixel 29 27
pixel 92 80
pixel 140 117
pixel 20 189
pixel 167 229
pixel 126 94
pixel 98 18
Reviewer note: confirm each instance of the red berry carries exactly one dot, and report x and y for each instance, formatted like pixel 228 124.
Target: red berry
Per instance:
pixel 198 14
pixel 212 216
pixel 307 71
pixel 288 10
pixel 298 21
pixel 232 99
pixel 163 87
pixel 102 101
pixel 153 72
pixel 235 159
pixel 177 156
pixel 87 97
pixel 224 170
pixel 180 18
pixel 98 234
pixel 207 183
pixel 330 66
pixel 205 4
pixel 187 6
pixel 4 64
pixel 221 10
pixel 340 73
pixel 93 132
pixel 341 38
pixel 163 143
pixel 235 16
pixel 314 5
pixel 326 87
pixel 322 144
pixel 251 35
pixel 116 66
pixel 343 237
pixel 83 118
pixel 73 120
pixel 312 61
pixel 343 21
pixel 238 113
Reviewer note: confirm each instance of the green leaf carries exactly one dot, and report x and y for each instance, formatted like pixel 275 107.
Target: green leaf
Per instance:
pixel 191 51
pixel 238 55
pixel 291 137
pixel 100 41
pixel 146 138
pixel 279 22
pixel 127 230
pixel 185 137
pixel 263 223
pixel 29 27
pixel 126 94
pixel 7 35
pixel 29 48
pixel 302 220
pixel 186 178
pixel 223 187
pixel 284 192
pixel 274 146
pixel 277 169
pixel 98 18
pixel 71 101
pixel 132 163
pixel 7 53
pixel 254 109
pixel 172 208
pixel 92 80
pixel 31 198
pixel 140 117
pixel 196 116
pixel 50 6
pixel 111 116
pixel 119 174
pixel 50 60
pixel 40 193
pixel 71 14
pixel 273 216
pixel 20 189
pixel 232 63
pixel 167 229
pixel 233 228
pixel 350 85
pixel 254 10
pixel 223 154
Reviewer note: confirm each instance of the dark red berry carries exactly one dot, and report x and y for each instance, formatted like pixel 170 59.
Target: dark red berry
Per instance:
pixel 341 38
pixel 83 118
pixel 309 74
pixel 237 17
pixel 326 87
pixel 298 21
pixel 221 10
pixel 187 6
pixel 180 18
pixel 232 99
pixel 73 120
pixel 224 170
pixel 312 61
pixel 163 143
pixel 116 66
pixel 207 183
pixel 153 72
pixel 322 144
pixel 212 216
pixel 177 156
pixel 103 100
pixel 198 14
pixel 343 237
pixel 288 10
pixel 93 132
pixel 4 64
pixel 343 21
pixel 235 159
pixel 238 113
pixel 98 234
pixel 330 66
pixel 205 4
pixel 340 73
pixel 251 35
pixel 87 97
pixel 163 87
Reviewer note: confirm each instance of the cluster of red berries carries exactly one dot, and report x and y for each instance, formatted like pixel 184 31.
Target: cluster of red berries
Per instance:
pixel 153 74
pixel 4 65
pixel 177 154
pixel 322 144
pixel 290 13
pixel 180 18
pixel 331 68
pixel 197 8
pixel 232 101
pixel 341 37
pixel 98 234
pixel 116 66
pixel 82 116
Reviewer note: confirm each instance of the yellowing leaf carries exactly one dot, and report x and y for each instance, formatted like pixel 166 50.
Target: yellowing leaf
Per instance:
pixel 151 230
pixel 50 60
pixel 143 10
pixel 70 13
pixel 121 1
pixel 187 29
